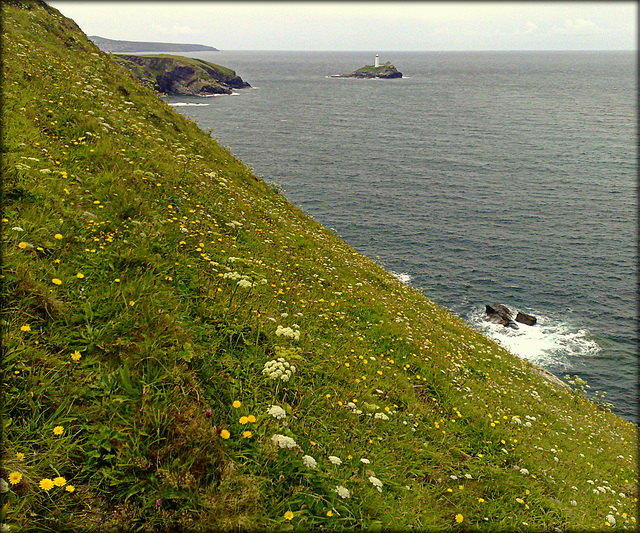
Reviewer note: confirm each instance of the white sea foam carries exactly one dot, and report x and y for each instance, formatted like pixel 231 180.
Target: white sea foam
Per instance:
pixel 403 277
pixel 184 104
pixel 550 343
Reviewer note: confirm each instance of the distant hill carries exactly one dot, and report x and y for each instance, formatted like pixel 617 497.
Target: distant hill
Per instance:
pixel 134 47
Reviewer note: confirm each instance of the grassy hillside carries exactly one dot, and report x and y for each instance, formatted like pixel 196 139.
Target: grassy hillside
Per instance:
pixel 184 349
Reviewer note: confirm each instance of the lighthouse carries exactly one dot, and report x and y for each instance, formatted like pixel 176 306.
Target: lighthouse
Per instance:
pixel 377 63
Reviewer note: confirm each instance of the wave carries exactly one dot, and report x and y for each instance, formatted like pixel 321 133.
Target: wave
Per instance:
pixel 184 104
pixel 551 343
pixel 402 276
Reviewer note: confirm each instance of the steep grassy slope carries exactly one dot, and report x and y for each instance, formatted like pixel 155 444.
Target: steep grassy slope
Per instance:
pixel 183 348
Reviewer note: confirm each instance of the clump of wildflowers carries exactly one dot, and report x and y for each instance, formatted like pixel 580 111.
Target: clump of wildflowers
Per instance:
pixel 291 332
pixel 279 368
pixel 309 461
pixel 277 412
pixel 343 492
pixel 376 483
pixel 283 441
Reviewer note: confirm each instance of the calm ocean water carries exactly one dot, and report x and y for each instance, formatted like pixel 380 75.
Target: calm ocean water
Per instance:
pixel 484 177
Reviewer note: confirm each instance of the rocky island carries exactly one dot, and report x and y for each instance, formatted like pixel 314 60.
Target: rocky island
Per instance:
pixel 169 74
pixel 376 70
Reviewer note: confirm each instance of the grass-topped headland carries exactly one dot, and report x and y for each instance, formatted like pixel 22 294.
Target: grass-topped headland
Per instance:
pixel 170 74
pixel 184 349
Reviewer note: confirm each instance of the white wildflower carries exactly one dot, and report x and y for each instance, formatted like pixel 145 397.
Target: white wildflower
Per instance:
pixel 309 461
pixel 573 502
pixel 283 441
pixel 335 460
pixel 277 412
pixel 611 519
pixel 524 471
pixel 381 416
pixel 376 483
pixel 343 492
pixel 245 284
pixel 365 461
pixel 4 486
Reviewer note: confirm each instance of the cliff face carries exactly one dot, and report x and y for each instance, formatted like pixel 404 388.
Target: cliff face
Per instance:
pixel 182 75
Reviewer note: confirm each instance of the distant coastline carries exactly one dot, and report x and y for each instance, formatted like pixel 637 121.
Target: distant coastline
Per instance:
pixel 135 47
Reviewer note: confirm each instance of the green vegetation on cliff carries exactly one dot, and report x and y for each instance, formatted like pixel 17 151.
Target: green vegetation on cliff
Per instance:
pixel 184 349
pixel 171 74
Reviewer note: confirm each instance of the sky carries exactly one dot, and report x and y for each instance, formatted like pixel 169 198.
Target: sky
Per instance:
pixel 364 26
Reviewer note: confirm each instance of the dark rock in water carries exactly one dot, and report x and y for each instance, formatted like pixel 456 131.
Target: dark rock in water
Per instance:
pixel 500 314
pixel 524 318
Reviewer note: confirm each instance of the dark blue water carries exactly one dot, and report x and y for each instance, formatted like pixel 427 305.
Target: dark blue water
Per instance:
pixel 506 177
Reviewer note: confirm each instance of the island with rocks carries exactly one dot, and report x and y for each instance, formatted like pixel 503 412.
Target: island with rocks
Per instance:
pixel 173 75
pixel 385 71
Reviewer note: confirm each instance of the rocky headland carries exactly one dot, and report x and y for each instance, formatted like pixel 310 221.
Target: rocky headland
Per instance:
pixel 169 74
pixel 136 47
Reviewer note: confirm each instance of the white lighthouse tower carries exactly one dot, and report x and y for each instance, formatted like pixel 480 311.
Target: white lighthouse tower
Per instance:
pixel 377 63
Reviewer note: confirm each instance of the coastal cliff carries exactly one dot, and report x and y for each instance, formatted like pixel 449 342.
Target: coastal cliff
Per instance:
pixel 136 47
pixel 169 74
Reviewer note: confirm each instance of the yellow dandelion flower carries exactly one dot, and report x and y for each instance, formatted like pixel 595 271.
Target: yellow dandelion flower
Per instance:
pixel 132 303
pixel 58 430
pixel 288 515
pixel 236 404
pixel 459 518
pixel 46 484
pixel 251 418
pixel 56 281
pixel 244 420
pixel 79 275
pixel 58 236
pixel 76 355
pixel 59 481
pixel 26 327
pixel 22 245
pixel 20 456
pixel 70 488
pixel 329 513
pixel 117 280
pixel 246 434
pixel 225 434
pixel 15 478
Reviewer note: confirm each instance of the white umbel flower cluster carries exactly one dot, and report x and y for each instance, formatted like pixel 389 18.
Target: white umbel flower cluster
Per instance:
pixel 283 441
pixel 343 492
pixel 376 483
pixel 292 332
pixel 279 368
pixel 277 412
pixel 309 461
pixel 243 280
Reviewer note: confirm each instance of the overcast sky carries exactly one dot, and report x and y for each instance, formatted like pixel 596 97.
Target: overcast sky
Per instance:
pixel 364 26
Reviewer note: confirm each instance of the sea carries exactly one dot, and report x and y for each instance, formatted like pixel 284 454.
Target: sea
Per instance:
pixel 478 178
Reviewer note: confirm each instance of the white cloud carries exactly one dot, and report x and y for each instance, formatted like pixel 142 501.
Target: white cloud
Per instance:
pixel 577 26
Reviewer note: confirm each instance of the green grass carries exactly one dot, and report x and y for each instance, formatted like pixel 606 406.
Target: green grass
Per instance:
pixel 151 278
